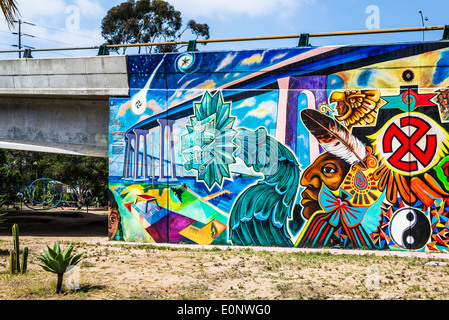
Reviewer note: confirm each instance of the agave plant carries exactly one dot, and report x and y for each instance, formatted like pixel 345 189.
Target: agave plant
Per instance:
pixel 56 261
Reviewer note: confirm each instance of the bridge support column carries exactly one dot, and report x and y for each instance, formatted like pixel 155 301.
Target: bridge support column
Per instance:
pixel 134 166
pixel 140 166
pixel 163 125
pixel 128 149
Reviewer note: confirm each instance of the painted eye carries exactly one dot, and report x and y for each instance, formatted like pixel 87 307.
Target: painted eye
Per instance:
pixel 328 169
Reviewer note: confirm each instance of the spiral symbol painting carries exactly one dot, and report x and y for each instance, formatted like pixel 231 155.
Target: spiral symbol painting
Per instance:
pixel 360 180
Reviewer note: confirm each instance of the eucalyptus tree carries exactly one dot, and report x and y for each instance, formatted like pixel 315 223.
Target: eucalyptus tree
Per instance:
pixel 148 21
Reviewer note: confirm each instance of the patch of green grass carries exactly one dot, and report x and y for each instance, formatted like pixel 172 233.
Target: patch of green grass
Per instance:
pixel 194 292
pixel 27 286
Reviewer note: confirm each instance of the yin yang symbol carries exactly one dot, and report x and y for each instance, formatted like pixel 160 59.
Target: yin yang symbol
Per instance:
pixel 410 228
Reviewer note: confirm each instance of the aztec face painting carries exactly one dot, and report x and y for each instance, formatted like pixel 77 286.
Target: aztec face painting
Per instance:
pixel 339 146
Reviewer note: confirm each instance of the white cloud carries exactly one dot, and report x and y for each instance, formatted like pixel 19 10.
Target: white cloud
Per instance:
pixel 226 61
pixel 40 10
pixel 51 27
pixel 229 8
pixel 250 102
pixel 91 8
pixel 279 56
pixel 264 109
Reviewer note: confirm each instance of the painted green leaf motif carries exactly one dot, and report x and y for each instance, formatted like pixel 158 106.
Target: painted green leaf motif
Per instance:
pixel 208 146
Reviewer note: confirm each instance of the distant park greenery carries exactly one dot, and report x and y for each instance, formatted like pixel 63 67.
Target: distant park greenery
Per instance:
pixel 148 21
pixel 85 177
pixel 9 176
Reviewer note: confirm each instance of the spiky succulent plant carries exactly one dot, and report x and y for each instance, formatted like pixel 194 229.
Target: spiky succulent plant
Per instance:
pixel 56 260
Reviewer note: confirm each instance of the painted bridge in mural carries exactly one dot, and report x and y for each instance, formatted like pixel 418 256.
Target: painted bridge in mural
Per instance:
pixel 299 71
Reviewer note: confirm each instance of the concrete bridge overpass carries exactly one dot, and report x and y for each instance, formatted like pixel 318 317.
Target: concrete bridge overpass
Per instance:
pixel 59 105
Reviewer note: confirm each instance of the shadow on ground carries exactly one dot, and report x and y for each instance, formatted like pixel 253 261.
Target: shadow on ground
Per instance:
pixel 63 223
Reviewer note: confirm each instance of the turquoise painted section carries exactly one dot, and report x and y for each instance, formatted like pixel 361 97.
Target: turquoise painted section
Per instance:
pixel 337 146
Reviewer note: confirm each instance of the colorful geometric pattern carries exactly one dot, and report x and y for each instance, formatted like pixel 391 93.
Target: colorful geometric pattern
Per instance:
pixel 361 187
pixel 439 222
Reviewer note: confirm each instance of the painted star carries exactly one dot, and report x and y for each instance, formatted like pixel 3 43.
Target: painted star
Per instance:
pixel 185 61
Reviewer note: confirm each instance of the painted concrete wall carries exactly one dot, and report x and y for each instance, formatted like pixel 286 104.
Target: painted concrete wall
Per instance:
pixel 338 146
pixel 59 105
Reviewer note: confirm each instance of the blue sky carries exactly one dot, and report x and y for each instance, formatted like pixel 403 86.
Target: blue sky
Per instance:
pixel 66 23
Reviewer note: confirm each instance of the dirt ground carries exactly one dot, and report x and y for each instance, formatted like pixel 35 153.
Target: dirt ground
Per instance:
pixel 125 271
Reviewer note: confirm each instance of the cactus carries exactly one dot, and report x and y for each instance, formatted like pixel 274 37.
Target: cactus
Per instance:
pixel 15 239
pixel 23 267
pixel 12 262
pixel 14 257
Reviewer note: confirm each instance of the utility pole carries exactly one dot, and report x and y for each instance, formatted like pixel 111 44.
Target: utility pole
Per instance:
pixel 20 34
pixel 20 38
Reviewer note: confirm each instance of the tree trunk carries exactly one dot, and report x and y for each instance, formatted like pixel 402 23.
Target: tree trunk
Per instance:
pixel 59 284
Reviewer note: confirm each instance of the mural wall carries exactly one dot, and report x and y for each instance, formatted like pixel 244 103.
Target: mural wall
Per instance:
pixel 338 146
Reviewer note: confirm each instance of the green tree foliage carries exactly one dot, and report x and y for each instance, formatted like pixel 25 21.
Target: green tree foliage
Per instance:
pixel 9 177
pixel 84 175
pixel 148 21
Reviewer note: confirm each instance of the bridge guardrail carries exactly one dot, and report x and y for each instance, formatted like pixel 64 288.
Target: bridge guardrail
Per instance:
pixel 303 40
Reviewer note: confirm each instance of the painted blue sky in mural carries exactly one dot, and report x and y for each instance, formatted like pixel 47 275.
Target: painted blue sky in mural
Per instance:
pixel 55 25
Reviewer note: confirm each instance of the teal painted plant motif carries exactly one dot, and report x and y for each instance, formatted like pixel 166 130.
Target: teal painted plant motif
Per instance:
pixel 208 147
pixel 260 212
